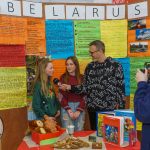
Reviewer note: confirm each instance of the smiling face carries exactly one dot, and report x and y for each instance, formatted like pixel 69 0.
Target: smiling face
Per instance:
pixel 70 67
pixel 49 69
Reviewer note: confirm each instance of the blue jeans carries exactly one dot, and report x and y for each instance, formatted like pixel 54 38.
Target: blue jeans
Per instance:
pixel 66 120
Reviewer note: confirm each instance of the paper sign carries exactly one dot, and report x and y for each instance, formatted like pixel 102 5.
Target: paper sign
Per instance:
pixel 59 38
pixel 85 32
pixel 137 10
pixel 12 87
pixel 125 62
pixel 13 30
pixel 136 63
pixel 114 35
pixel 12 55
pixel 32 9
pixel 35 43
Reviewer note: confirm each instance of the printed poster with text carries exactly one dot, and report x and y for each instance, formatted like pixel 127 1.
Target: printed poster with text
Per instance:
pixel 114 35
pixel 13 88
pixel 12 55
pixel 59 38
pixel 13 30
pixel 125 62
pixel 138 123
pixel 35 43
pixel 85 32
pixel 139 37
pixel 136 63
pixel 83 63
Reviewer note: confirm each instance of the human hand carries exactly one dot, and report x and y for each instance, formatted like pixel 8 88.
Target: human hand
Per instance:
pixel 76 114
pixel 65 87
pixel 57 114
pixel 70 112
pixel 46 117
pixel 140 76
pixel 59 96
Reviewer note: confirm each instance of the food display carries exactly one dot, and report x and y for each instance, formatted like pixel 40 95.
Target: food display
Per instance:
pixel 96 145
pixel 44 126
pixel 70 143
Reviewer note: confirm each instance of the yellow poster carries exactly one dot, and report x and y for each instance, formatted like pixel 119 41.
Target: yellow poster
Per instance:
pixel 138 123
pixel 114 35
pixel 83 63
pixel 13 88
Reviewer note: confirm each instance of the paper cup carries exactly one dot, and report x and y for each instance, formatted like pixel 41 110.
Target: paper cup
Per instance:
pixel 70 129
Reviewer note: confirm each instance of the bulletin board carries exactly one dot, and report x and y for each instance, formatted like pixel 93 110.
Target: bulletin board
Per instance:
pixel 25 38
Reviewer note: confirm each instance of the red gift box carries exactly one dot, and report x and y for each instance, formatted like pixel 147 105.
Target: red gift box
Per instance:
pixel 37 137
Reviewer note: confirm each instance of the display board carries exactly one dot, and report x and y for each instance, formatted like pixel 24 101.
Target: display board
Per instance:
pixel 60 29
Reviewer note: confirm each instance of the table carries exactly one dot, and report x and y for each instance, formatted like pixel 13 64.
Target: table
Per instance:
pixel 28 144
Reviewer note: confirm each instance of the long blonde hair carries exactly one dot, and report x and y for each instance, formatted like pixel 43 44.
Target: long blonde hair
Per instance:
pixel 41 75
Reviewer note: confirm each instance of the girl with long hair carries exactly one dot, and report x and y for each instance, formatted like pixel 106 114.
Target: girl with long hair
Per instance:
pixel 72 111
pixel 45 104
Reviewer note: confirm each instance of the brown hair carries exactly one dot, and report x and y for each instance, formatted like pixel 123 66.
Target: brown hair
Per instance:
pixel 99 45
pixel 77 71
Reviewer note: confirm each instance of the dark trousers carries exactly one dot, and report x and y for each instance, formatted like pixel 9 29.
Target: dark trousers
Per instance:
pixel 92 118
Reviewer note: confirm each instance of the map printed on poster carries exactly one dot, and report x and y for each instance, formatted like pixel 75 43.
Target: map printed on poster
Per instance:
pixel 85 32
pixel 13 89
pixel 59 39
